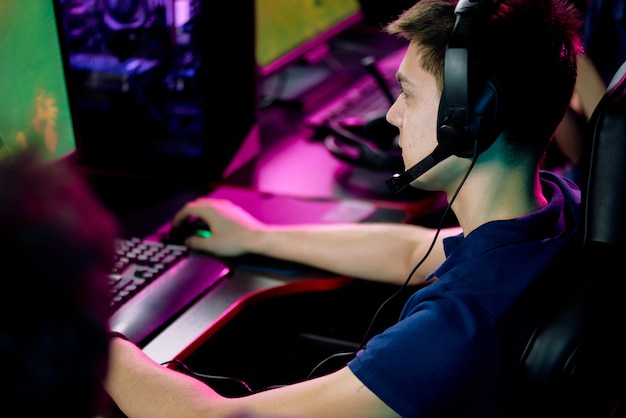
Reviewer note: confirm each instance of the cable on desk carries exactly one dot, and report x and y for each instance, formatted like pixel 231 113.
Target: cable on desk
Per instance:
pixel 201 376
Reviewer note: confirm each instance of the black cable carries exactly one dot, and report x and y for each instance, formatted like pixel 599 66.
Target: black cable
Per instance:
pixel 332 356
pixel 202 376
pixel 430 248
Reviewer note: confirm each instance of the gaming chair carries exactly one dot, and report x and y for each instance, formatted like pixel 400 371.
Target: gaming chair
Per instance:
pixel 574 365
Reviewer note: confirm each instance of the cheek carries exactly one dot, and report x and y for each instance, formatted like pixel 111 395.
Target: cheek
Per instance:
pixel 419 136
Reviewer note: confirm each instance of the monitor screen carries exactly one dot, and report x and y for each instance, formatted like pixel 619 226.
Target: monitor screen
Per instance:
pixel 288 29
pixel 34 108
pixel 152 84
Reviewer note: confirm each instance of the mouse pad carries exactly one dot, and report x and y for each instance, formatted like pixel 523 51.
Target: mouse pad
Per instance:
pixel 286 210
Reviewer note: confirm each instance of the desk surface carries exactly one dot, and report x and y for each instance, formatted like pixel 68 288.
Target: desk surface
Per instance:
pixel 224 301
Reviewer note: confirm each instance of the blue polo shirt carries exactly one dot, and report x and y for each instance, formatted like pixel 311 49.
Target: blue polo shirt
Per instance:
pixel 457 341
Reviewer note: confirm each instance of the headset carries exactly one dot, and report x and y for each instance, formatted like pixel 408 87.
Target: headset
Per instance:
pixel 470 109
pixel 371 143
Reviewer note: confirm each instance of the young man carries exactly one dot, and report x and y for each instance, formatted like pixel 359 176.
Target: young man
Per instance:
pixel 455 347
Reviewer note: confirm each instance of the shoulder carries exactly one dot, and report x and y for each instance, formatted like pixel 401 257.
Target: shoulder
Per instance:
pixel 442 348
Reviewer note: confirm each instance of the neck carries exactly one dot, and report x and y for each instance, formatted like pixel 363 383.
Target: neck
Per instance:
pixel 506 192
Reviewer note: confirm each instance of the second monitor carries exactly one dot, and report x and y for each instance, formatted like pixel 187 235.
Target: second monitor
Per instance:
pixel 160 88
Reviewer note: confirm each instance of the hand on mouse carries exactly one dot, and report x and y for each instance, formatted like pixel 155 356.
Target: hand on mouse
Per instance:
pixel 233 230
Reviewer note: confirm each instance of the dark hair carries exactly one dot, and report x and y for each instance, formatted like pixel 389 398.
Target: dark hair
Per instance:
pixel 57 245
pixel 528 46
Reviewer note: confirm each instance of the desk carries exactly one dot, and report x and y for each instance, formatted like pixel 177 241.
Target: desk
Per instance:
pixel 222 303
pixel 291 163
pixel 244 286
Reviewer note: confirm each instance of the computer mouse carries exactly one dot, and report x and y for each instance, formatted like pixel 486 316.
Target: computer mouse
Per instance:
pixel 190 226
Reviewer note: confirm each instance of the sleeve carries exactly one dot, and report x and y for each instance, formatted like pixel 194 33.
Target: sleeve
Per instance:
pixel 441 350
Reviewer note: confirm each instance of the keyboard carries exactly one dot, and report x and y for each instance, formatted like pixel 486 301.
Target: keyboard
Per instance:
pixel 153 282
pixel 363 100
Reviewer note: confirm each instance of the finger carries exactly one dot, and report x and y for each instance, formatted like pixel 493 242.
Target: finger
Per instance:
pixel 193 208
pixel 197 243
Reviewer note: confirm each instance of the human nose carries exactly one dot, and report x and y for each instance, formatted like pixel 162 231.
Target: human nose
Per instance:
pixel 394 116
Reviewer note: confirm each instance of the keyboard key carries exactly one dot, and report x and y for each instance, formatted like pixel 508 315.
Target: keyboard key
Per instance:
pixel 153 282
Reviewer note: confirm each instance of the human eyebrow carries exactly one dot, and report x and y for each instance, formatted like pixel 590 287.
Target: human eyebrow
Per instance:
pixel 404 81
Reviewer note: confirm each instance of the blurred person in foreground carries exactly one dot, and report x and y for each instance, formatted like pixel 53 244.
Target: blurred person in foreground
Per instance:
pixel 56 248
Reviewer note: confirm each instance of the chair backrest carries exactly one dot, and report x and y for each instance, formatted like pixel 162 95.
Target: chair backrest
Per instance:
pixel 604 244
pixel 605 168
pixel 574 365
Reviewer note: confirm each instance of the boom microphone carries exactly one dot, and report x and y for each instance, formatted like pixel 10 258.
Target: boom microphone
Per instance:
pixel 400 181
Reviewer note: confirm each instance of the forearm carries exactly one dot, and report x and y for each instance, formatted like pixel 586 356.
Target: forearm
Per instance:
pixel 142 388
pixel 384 252
pixel 381 252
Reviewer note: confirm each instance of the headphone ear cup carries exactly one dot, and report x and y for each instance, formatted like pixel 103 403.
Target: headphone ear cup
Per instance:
pixel 452 136
pixel 485 121
pixel 372 144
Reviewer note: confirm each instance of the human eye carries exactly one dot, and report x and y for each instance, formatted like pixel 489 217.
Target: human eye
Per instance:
pixel 403 92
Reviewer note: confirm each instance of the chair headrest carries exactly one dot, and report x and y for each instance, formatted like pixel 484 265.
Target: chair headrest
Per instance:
pixel 604 190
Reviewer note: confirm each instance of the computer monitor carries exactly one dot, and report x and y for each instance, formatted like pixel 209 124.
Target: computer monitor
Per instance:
pixel 34 107
pixel 165 89
pixel 287 29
